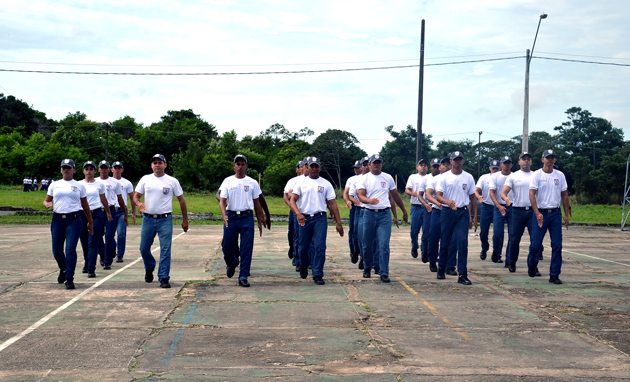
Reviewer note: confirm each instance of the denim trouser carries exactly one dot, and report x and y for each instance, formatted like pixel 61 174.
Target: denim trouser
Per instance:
pixel 521 219
pixel 110 241
pixel 416 224
pixel 434 240
pixel 552 221
pixel 426 230
pixel 455 230
pixel 498 226
pixel 296 241
pixel 358 230
pixel 291 232
pixel 163 227
pixel 121 232
pixel 242 224
pixel 351 231
pixel 65 231
pixel 312 243
pixel 377 226
pixel 486 214
pixel 92 242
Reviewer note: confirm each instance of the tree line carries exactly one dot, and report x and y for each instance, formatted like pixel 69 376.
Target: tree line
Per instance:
pixel 591 152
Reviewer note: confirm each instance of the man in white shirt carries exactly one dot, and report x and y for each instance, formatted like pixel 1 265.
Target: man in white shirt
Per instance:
pixel 456 192
pixel 517 184
pixel 502 213
pixel 486 207
pixel 291 237
pixel 427 209
pixel 308 201
pixel 358 216
pixel 113 193
pixel 121 223
pixel 158 190
pixel 417 215
pixel 239 197
pixel 547 190
pixel 374 191
pixel 351 183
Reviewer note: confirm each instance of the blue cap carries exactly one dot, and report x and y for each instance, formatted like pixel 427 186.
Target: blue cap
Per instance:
pixel 420 161
pixel 524 154
pixel 357 164
pixel 365 159
pixel 89 163
pixel 103 163
pixel 314 160
pixel 118 163
pixel 240 156
pixel 456 154
pixel 67 162
pixel 299 164
pixel 160 157
pixel 506 159
pixel 548 153
pixel 435 162
pixel 375 158
pixel 494 163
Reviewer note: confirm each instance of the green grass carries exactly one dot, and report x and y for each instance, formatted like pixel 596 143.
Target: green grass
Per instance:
pixel 202 202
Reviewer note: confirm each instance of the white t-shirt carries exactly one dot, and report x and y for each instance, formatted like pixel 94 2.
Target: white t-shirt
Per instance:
pixel 158 193
pixel 377 186
pixel 484 184
pixel 422 187
pixel 549 186
pixel 66 195
pixel 313 195
pixel 127 188
pixel 94 191
pixel 291 183
pixel 456 187
pixel 519 183
pixel 240 193
pixel 113 188
pixel 353 186
pixel 351 182
pixel 431 183
pixel 413 183
pixel 497 181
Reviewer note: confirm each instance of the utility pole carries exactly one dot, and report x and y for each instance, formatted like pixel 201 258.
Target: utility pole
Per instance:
pixel 479 160
pixel 528 60
pixel 106 139
pixel 420 97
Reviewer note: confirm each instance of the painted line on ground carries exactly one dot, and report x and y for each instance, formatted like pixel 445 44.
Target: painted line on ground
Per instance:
pixel 52 314
pixel 506 296
pixel 596 258
pixel 434 310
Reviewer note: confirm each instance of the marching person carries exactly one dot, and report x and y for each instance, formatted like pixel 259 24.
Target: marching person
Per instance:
pixel 547 189
pixel 239 196
pixel 358 215
pixel 417 215
pixel 502 213
pixel 113 193
pixel 120 218
pixel 456 192
pixel 486 213
pixel 309 201
pixel 285 197
pixel 517 184
pixel 436 223
pixel 34 185
pixel 374 190
pixel 69 198
pixel 158 190
pixel 426 211
pixel 99 208
pixel 351 183
pixel 26 182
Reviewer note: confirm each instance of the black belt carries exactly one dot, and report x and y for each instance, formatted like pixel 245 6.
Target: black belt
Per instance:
pixel 315 214
pixel 157 216
pixel 66 216
pixel 549 210
pixel 239 212
pixel 522 208
pixel 416 205
pixel 378 210
pixel 462 208
pixel 98 209
pixel 118 208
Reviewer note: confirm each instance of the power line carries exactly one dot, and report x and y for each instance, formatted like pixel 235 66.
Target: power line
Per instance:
pixel 251 73
pixel 580 61
pixel 582 55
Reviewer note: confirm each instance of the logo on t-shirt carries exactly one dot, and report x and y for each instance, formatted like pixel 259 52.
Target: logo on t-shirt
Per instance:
pixel 74 188
pixel 246 188
pixel 464 186
pixel 383 184
pixel 320 189
pixel 165 190
pixel 556 182
pixel 108 187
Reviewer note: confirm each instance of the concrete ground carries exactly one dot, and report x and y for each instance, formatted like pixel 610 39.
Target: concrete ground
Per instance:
pixel 504 327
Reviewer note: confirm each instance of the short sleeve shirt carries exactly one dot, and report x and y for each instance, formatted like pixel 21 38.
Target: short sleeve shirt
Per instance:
pixel 484 185
pixel 413 183
pixel 158 193
pixel 94 191
pixel 457 187
pixel 377 186
pixel 66 195
pixel 497 181
pixel 313 195
pixel 291 183
pixel 549 188
pixel 519 183
pixel 240 192
pixel 422 187
pixel 113 188
pixel 431 183
pixel 127 188
pixel 353 186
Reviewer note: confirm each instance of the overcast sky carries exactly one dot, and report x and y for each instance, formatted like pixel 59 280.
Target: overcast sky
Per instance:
pixel 252 36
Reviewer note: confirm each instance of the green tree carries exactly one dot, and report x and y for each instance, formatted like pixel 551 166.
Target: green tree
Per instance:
pixel 399 154
pixel 337 151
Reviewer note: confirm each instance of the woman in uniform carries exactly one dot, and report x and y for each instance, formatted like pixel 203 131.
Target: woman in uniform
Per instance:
pixel 69 197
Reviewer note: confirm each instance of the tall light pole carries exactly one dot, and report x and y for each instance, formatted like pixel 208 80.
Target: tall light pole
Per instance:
pixel 528 59
pixel 420 96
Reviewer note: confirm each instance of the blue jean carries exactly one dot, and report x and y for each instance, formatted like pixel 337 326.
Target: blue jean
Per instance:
pixel 351 232
pixel 521 219
pixel 296 241
pixel 485 218
pixel 65 231
pixel 552 222
pixel 121 232
pixel 163 228
pixel 291 232
pixel 434 241
pixel 358 228
pixel 84 238
pixel 242 224
pixel 498 224
pixel 416 224
pixel 377 226
pixel 110 242
pixel 312 241
pixel 92 242
pixel 426 230
pixel 454 226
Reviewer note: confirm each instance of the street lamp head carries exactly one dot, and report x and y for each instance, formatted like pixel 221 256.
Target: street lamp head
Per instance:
pixel 543 16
